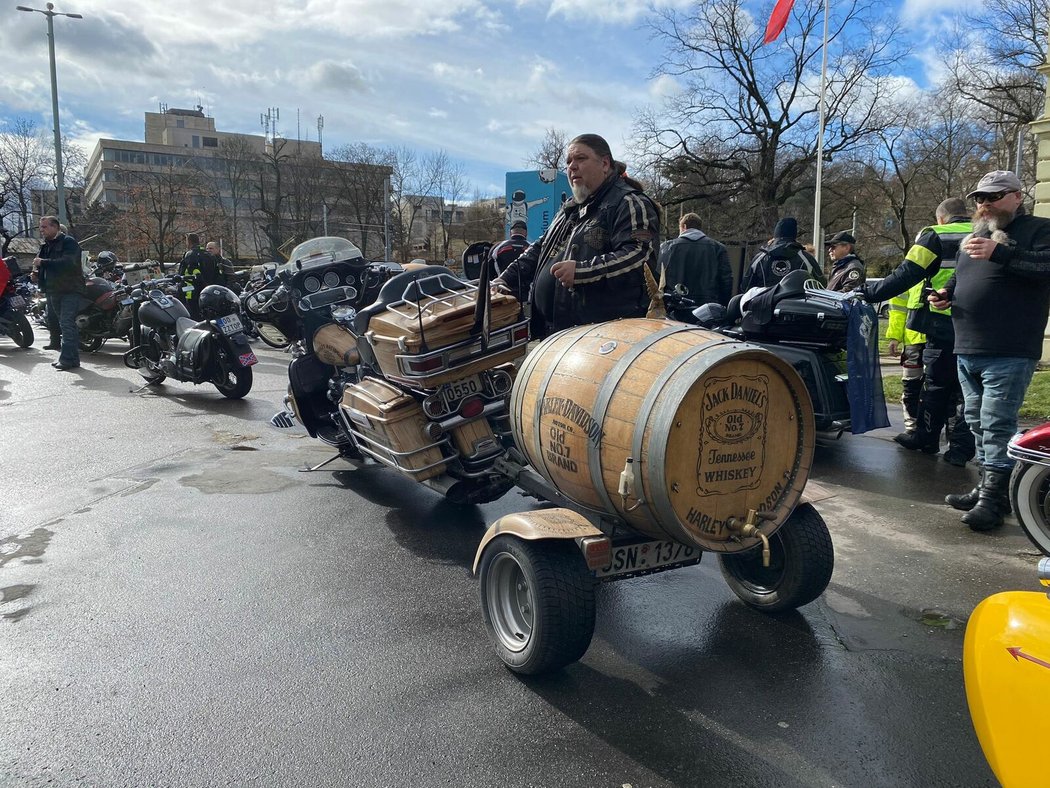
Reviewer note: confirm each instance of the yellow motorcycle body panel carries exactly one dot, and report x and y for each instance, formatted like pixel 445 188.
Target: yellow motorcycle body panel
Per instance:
pixel 1006 665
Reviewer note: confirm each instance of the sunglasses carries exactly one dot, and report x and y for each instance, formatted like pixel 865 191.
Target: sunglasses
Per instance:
pixel 981 199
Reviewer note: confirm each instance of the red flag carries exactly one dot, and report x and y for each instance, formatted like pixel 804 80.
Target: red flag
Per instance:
pixel 777 20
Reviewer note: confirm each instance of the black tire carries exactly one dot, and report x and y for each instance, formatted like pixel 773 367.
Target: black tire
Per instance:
pixel 1030 497
pixel 21 330
pixel 537 599
pixel 91 345
pixel 232 381
pixel 272 336
pixel 801 561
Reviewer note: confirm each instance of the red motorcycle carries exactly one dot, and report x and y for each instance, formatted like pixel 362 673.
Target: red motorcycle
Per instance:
pixel 1030 484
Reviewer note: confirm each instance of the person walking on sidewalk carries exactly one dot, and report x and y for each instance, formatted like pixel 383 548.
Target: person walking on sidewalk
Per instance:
pixel 62 280
pixel 1000 298
pixel 928 265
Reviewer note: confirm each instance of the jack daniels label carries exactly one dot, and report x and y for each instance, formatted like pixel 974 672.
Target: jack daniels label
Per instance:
pixel 732 441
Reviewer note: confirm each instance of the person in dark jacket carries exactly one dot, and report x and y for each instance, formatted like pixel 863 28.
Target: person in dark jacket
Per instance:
pixel 847 270
pixel 506 252
pixel 781 255
pixel 201 269
pixel 62 280
pixel 225 271
pixel 696 266
pixel 1000 299
pixel 588 266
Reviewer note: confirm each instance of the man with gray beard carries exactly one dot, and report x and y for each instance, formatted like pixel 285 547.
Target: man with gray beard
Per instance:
pixel 588 267
pixel 1000 298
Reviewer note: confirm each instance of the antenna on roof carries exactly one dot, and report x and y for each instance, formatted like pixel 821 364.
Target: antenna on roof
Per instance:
pixel 320 133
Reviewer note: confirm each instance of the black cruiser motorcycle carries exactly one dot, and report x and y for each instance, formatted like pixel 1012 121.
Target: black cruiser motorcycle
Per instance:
pixel 167 342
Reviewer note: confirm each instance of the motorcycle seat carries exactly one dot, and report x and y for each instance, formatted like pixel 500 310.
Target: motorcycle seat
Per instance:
pixel 760 307
pixel 409 286
pixel 184 324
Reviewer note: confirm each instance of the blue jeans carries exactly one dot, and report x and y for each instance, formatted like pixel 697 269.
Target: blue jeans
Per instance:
pixel 993 390
pixel 66 306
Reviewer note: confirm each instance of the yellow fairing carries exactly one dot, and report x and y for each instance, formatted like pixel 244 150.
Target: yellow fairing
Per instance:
pixel 1006 664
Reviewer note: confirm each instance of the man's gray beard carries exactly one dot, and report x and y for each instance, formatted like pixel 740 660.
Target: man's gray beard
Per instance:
pixel 580 192
pixel 985 224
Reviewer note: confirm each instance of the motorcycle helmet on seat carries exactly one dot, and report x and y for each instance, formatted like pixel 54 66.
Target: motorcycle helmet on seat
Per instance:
pixel 105 261
pixel 217 301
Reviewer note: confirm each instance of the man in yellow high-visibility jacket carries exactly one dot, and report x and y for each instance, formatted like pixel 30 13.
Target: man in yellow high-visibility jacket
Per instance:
pixel 929 264
pixel 908 345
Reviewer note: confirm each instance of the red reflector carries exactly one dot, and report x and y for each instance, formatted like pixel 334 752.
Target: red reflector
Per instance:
pixel 597 551
pixel 521 333
pixel 471 407
pixel 425 365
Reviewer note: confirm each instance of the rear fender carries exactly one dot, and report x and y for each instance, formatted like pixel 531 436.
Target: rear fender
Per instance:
pixel 542 524
pixel 1035 444
pixel 238 347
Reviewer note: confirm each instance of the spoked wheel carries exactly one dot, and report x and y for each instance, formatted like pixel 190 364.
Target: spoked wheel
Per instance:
pixel 1030 496
pixel 91 344
pixel 537 599
pixel 21 331
pixel 272 335
pixel 800 565
pixel 232 381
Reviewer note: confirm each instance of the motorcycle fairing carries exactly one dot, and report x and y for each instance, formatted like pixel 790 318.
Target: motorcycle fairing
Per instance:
pixel 1006 666
pixel 308 380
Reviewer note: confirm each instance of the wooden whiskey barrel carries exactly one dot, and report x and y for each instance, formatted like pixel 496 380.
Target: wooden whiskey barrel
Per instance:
pixel 714 427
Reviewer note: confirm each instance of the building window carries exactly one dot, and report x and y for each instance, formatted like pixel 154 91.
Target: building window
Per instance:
pixel 196 141
pixel 180 124
pixel 210 142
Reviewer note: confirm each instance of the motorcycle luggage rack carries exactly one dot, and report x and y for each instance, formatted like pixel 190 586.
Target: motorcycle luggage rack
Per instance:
pixel 419 366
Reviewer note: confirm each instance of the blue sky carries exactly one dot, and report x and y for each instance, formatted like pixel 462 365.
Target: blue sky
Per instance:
pixel 482 79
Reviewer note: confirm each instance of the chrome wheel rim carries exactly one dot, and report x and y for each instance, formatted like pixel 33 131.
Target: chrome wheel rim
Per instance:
pixel 510 603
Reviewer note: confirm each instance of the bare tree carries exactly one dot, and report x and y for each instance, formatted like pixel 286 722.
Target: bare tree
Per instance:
pixel 551 153
pixel 450 186
pixel 742 131
pixel 24 166
pixel 363 185
pixel 238 167
pixel 157 203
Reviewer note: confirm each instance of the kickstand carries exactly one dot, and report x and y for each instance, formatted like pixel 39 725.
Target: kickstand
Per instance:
pixel 320 465
pixel 140 389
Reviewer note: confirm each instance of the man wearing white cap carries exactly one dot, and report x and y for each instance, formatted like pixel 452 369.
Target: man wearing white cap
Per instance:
pixel 1000 298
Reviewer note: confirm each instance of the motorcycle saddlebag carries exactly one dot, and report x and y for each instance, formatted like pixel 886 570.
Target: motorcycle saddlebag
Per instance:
pixel 193 354
pixel 813 321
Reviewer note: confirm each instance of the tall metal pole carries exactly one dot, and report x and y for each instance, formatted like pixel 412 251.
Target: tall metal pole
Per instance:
pixel 817 245
pixel 60 186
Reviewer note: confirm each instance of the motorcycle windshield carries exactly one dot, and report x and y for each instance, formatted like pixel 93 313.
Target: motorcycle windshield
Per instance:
pixel 330 247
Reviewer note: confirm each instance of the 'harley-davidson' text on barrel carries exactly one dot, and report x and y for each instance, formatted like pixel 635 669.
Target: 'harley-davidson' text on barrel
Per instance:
pixel 714 428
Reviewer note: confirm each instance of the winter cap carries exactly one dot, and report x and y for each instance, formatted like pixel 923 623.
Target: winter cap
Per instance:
pixel 997 181
pixel 786 228
pixel 841 237
pixel 518 224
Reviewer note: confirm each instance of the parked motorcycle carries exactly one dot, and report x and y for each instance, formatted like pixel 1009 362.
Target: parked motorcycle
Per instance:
pixel 103 315
pixel 396 368
pixel 269 311
pixel 804 326
pixel 1030 484
pixel 167 342
pixel 13 308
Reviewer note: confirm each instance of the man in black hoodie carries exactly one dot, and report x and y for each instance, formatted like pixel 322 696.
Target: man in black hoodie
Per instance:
pixel 780 255
pixel 1000 298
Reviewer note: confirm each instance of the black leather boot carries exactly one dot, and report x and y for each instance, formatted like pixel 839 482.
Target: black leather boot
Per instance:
pixel 920 440
pixel 993 502
pixel 964 502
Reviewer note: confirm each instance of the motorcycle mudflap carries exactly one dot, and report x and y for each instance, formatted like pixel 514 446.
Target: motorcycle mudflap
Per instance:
pixel 238 345
pixel 193 354
pixel 308 377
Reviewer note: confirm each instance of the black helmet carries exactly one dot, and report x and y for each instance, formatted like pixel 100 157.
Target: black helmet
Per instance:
pixel 105 260
pixel 218 301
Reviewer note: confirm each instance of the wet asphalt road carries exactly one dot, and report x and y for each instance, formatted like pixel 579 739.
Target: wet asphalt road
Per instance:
pixel 180 606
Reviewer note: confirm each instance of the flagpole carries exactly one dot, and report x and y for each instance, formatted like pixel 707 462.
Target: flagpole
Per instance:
pixel 817 245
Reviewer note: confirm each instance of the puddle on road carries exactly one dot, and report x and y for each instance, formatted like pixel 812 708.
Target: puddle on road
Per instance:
pixel 937 619
pixel 30 546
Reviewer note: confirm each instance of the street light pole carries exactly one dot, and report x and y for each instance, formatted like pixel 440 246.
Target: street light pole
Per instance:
pixel 60 189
